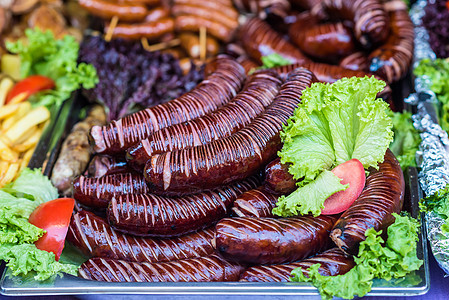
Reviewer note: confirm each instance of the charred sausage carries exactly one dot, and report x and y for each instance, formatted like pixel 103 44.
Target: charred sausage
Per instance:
pixel 370 19
pixel 232 158
pixel 214 28
pixel 272 241
pixel 383 195
pixel 258 39
pixel 97 192
pixel 333 262
pixel 202 269
pixel 393 59
pixel 257 94
pixel 102 165
pixel 107 10
pixel 94 237
pixel 149 30
pixel 151 215
pixel 277 178
pixel 217 89
pixel 257 203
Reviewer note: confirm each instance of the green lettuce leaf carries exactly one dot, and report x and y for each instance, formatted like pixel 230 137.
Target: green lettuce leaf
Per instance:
pixel 310 197
pixel 274 60
pixel 439 204
pixel 406 139
pixel 376 259
pixel 44 55
pixel 335 123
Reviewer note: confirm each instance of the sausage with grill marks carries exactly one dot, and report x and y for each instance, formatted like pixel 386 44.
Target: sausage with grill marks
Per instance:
pixel 393 59
pixel 155 216
pixel 150 30
pixel 256 203
pixel 204 12
pixel 371 24
pixel 257 94
pixel 98 192
pixel 226 8
pixel 277 178
pixel 272 241
pixel 355 61
pixel 107 10
pixel 94 237
pixel 203 269
pixel 258 39
pixel 383 195
pixel 102 165
pixel 214 28
pixel 157 14
pixel 232 158
pixel 333 262
pixel 217 89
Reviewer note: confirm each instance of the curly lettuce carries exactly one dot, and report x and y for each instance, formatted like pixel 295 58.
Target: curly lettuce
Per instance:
pixel 439 204
pixel 394 258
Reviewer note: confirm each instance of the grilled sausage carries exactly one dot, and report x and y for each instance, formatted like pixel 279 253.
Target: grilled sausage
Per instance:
pixel 370 19
pixel 191 44
pixel 225 7
pixel 355 61
pixel 305 4
pixel 258 40
pixel 328 42
pixel 277 178
pixel 149 30
pixel 202 269
pixel 393 59
pixel 144 2
pixel 107 10
pixel 257 94
pixel 258 7
pixel 151 215
pixel 333 262
pixel 232 158
pixel 94 237
pixel 102 165
pixel 272 241
pixel 97 192
pixel 256 203
pixel 157 14
pixel 383 195
pixel 217 89
pixel 214 28
pixel 247 63
pixel 204 12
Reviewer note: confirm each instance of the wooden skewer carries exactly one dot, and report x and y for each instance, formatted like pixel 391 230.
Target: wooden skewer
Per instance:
pixel 159 46
pixel 203 44
pixel 111 28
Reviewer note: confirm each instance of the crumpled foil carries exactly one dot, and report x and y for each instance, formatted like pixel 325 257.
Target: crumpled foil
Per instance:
pixel 433 154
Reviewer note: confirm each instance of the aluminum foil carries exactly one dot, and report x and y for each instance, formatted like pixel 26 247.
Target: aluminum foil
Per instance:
pixel 433 154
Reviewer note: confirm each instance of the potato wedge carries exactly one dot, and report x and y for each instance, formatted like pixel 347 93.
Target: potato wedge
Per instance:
pixel 33 118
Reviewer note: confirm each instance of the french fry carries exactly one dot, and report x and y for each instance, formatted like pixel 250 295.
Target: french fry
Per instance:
pixel 10 174
pixel 7 154
pixel 25 136
pixel 30 142
pixel 4 165
pixel 26 159
pixel 33 118
pixel 8 109
pixel 24 108
pixel 5 86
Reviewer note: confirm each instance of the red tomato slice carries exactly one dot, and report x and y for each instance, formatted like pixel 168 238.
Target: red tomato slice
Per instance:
pixel 54 217
pixel 29 86
pixel 351 172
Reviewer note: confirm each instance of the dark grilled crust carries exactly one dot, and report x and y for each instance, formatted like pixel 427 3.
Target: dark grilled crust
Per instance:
pixel 216 90
pixel 277 178
pixel 256 203
pixel 383 195
pixel 102 165
pixel 272 241
pixel 202 269
pixel 232 158
pixel 355 61
pixel 257 94
pixel 333 262
pixel 97 192
pixel 151 215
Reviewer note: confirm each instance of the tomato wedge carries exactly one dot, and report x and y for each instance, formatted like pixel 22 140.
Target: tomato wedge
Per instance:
pixel 54 217
pixel 29 86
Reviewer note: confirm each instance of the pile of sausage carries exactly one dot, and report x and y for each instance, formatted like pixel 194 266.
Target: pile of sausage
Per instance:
pixel 183 191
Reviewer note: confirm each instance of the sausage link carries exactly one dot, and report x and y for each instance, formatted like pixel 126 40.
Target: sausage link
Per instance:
pixel 144 2
pixel 258 39
pixel 202 269
pixel 257 94
pixel 225 7
pixel 260 7
pixel 98 192
pixel 107 10
pixel 151 215
pixel 383 195
pixel 206 13
pixel 355 61
pixel 333 262
pixel 277 178
pixel 231 158
pixel 191 44
pixel 149 30
pixel 305 4
pixel 214 28
pixel 102 165
pixel 95 238
pixel 217 89
pixel 393 59
pixel 256 203
pixel 371 25
pixel 272 241
pixel 328 42
pixel 157 14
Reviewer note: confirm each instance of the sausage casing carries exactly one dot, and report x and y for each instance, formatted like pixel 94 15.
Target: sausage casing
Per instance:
pixel 201 269
pixel 383 195
pixel 272 241
pixel 151 215
pixel 214 28
pixel 333 262
pixel 205 12
pixel 256 203
pixel 97 192
pixel 232 158
pixel 355 61
pixel 150 30
pixel 277 178
pixel 107 10
pixel 94 237
pixel 102 165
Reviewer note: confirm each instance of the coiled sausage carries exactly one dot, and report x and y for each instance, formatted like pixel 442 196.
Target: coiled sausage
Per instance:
pixel 355 61
pixel 383 195
pixel 277 178
pixel 256 203
pixel 232 158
